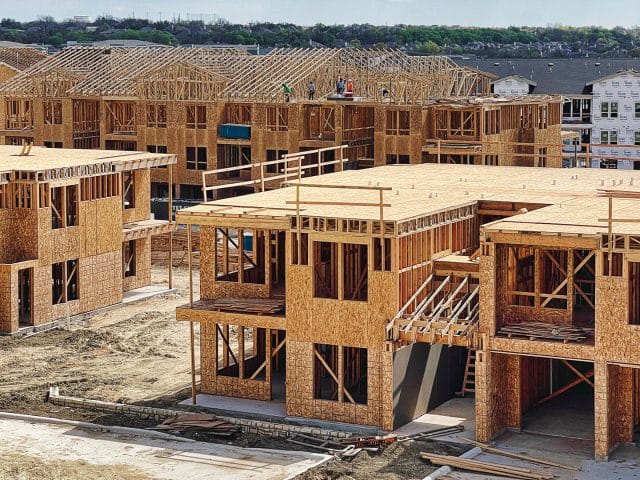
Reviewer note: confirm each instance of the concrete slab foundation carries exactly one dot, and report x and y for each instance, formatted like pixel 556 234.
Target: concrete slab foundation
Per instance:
pixel 61 445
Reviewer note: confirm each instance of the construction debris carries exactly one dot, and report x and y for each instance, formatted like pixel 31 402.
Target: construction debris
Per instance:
pixel 374 441
pixel 197 422
pixel 325 445
pixel 486 467
pixel 526 458
pixel 436 432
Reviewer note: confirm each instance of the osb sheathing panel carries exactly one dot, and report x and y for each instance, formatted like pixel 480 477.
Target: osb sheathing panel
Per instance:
pixel 620 405
pixel 100 280
pixel 6 73
pixel 498 394
pixel 223 385
pixel 550 135
pixel 300 401
pixel 339 322
pixel 142 202
pixel 616 340
pixel 142 277
pixel 379 136
pixel 177 137
pixel 42 308
pixel 101 226
pixel 18 235
pixel 8 309
pixel 487 303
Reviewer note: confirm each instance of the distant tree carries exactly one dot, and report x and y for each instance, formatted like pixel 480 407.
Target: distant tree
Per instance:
pixel 429 47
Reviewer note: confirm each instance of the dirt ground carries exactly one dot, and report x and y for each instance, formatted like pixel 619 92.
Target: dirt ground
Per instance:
pixel 398 461
pixel 23 467
pixel 134 353
pixel 139 353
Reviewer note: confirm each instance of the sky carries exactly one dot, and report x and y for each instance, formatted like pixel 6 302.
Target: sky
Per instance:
pixel 492 13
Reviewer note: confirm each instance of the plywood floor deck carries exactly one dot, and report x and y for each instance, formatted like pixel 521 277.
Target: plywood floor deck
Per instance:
pixel 425 189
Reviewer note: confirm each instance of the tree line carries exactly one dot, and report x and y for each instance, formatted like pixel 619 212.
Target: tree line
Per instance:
pixel 530 41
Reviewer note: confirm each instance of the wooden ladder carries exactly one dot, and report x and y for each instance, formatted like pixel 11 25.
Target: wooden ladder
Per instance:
pixel 469 382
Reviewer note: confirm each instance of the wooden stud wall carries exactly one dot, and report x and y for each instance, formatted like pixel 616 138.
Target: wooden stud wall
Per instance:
pixel 98 121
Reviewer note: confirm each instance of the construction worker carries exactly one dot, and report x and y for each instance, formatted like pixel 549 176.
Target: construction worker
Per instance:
pixel 312 90
pixel 349 92
pixel 287 90
pixel 339 86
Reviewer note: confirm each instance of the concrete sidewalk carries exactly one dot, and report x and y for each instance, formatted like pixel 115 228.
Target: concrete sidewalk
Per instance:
pixel 147 457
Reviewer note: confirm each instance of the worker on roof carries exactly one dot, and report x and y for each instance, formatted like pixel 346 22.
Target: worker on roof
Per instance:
pixel 349 90
pixel 312 90
pixel 339 86
pixel 287 90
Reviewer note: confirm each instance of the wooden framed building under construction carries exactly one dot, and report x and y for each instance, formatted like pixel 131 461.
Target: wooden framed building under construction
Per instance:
pixel 14 60
pixel 75 231
pixel 218 108
pixel 363 296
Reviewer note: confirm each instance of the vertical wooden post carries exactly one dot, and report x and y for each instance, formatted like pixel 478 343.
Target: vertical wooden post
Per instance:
pixel 610 236
pixel 382 246
pixel 225 345
pixel 340 269
pixel 536 277
pixel 241 346
pixel 438 150
pixel 191 328
pixel 298 233
pixel 170 217
pixel 225 251
pixel 570 282
pixel 340 373
pixel 587 162
pixel 241 255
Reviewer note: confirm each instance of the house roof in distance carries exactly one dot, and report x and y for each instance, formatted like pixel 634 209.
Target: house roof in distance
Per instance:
pixel 21 57
pixel 554 75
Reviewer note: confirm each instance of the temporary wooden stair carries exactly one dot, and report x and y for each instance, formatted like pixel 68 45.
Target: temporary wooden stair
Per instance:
pixel 469 382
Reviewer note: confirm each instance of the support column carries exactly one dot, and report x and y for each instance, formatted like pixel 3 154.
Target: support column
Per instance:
pixel 498 394
pixel 601 410
pixel 614 418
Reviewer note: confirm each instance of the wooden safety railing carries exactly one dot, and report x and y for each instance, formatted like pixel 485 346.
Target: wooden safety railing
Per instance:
pixel 577 158
pixel 289 167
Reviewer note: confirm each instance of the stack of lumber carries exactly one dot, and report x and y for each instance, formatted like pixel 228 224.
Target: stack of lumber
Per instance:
pixel 546 331
pixel 160 248
pixel 257 306
pixel 196 422
pixel 486 467
pixel 518 456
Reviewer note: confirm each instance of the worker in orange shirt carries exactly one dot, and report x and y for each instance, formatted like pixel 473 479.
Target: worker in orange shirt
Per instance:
pixel 349 87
